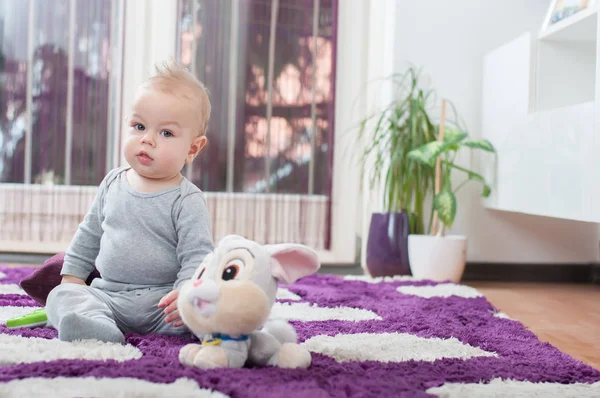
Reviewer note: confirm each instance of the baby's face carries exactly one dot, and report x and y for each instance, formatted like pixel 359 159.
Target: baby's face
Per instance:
pixel 162 134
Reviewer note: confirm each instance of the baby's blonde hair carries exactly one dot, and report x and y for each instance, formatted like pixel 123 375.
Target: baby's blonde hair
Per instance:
pixel 171 77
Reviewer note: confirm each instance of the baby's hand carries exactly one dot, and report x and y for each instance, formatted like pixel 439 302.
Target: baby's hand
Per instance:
pixel 72 279
pixel 170 301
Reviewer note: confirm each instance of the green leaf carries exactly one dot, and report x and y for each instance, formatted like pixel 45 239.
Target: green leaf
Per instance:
pixel 427 153
pixel 477 177
pixel 487 190
pixel 480 144
pixel 472 176
pixel 453 136
pixel 445 205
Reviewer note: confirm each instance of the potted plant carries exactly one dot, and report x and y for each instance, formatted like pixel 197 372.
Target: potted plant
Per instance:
pixel 388 136
pixel 438 256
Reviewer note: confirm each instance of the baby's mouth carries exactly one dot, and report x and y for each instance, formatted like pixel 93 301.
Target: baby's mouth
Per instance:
pixel 144 158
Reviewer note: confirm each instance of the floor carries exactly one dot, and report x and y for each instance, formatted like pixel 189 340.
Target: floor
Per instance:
pixel 566 316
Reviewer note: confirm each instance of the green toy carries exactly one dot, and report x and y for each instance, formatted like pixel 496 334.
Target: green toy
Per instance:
pixel 30 320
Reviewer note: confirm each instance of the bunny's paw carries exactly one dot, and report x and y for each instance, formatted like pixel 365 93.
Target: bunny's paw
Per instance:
pixel 188 353
pixel 292 355
pixel 210 357
pixel 198 356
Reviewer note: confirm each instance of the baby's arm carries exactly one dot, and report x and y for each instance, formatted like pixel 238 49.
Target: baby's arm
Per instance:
pixel 83 250
pixel 194 236
pixel 72 279
pixel 194 242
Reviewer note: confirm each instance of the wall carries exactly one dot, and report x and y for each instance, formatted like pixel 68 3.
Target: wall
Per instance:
pixel 449 39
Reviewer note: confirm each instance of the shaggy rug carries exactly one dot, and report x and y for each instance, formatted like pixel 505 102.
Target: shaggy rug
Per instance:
pixel 369 338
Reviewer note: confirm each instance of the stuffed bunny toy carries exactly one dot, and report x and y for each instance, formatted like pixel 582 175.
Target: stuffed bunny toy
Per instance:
pixel 228 301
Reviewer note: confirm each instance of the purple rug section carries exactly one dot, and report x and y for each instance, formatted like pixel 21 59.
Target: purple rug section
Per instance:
pixel 521 356
pixel 14 275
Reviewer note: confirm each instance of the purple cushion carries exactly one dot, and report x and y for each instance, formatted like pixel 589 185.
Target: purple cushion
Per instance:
pixel 40 282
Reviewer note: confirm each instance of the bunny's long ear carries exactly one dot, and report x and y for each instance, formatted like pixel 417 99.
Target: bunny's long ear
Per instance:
pixel 290 262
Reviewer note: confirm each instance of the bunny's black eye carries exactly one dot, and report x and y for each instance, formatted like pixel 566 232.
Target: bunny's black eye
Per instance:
pixel 201 273
pixel 232 269
pixel 230 272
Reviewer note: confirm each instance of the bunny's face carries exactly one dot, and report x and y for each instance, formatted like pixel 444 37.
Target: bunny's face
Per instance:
pixel 232 291
pixel 234 288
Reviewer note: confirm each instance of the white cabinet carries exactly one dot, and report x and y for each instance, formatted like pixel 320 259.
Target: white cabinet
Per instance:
pixel 541 110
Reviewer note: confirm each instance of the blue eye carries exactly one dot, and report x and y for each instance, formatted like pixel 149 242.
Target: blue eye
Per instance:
pixel 166 133
pixel 139 127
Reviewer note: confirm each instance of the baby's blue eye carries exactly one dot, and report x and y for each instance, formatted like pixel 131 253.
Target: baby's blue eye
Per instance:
pixel 139 127
pixel 166 133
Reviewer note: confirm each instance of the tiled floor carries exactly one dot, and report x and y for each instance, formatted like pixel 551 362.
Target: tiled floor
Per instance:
pixel 567 316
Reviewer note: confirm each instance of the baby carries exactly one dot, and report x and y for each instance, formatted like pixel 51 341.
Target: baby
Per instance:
pixel 148 228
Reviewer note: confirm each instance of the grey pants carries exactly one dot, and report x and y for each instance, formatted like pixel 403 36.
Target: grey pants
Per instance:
pixel 83 312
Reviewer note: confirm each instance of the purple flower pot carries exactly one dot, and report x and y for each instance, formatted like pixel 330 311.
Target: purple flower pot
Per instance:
pixel 387 247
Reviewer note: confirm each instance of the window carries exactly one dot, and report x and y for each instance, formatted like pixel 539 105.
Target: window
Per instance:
pixel 263 139
pixel 56 118
pixel 60 87
pixel 269 66
pixel 267 170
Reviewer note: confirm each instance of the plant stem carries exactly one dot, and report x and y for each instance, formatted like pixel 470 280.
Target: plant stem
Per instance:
pixel 462 184
pixel 454 154
pixel 440 232
pixel 457 167
pixel 438 164
pixel 429 230
pixel 447 179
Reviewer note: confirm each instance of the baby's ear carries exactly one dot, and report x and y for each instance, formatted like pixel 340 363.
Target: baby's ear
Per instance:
pixel 290 262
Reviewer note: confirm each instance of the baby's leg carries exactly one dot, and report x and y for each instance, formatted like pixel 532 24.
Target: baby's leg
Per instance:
pixel 161 327
pixel 81 312
pixel 145 316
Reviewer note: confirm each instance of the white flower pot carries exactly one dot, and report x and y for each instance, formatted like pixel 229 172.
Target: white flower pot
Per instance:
pixel 437 258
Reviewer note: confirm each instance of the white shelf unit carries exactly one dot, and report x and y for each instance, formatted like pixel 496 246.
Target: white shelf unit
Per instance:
pixel 541 111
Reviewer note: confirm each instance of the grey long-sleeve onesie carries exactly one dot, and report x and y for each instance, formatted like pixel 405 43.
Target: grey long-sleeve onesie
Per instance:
pixel 144 245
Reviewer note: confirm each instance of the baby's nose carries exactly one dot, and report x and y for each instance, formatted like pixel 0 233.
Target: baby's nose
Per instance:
pixel 197 282
pixel 148 139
